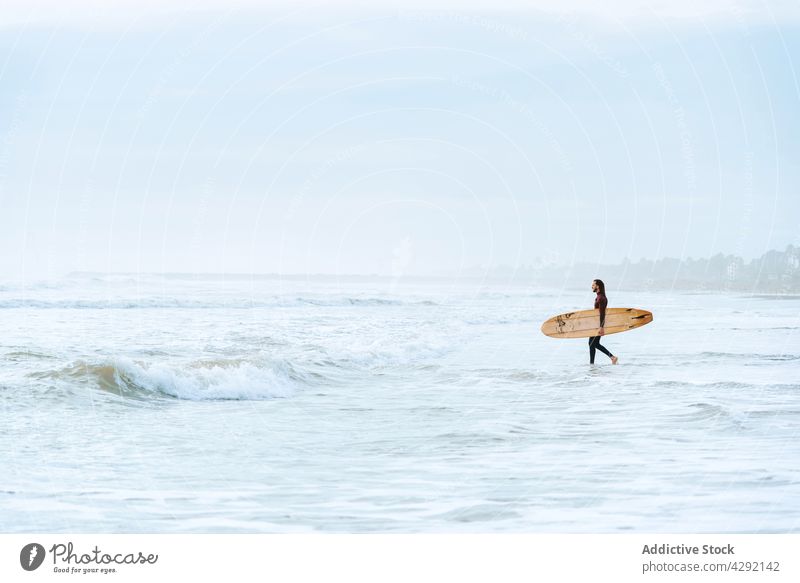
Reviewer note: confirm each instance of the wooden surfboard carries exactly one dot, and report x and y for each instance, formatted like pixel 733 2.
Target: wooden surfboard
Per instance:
pixel 585 323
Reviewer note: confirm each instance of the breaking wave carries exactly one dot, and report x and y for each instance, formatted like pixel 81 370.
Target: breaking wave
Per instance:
pixel 219 379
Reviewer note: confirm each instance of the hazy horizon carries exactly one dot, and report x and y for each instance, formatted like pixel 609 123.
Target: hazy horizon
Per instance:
pixel 777 271
pixel 393 140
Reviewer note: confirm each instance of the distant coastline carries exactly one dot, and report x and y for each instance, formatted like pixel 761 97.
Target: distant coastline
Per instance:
pixel 773 273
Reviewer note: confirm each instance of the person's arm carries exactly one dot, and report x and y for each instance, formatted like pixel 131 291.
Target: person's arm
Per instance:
pixel 603 304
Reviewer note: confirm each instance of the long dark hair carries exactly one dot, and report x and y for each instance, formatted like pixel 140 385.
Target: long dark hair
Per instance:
pixel 601 285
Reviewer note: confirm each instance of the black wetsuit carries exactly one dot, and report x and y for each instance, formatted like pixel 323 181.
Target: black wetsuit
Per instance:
pixel 600 302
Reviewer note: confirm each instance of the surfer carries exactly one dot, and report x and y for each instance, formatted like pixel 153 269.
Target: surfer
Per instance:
pixel 600 302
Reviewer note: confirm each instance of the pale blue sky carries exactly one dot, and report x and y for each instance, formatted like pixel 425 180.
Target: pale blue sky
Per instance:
pixel 342 139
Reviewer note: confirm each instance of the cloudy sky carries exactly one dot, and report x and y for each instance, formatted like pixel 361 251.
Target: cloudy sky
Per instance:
pixel 346 138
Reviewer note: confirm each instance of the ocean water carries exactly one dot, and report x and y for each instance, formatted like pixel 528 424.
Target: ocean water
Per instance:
pixel 177 404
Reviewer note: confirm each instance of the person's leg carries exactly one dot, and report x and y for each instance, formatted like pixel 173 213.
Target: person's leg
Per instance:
pixel 592 341
pixel 604 350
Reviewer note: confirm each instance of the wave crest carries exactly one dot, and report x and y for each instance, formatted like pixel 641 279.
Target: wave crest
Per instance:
pixel 219 379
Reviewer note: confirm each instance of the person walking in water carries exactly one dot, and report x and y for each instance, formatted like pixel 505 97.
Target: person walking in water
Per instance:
pixel 600 302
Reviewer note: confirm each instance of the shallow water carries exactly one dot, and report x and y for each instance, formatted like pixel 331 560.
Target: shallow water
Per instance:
pixel 210 404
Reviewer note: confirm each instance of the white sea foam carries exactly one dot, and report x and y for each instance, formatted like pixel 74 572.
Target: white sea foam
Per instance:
pixel 240 303
pixel 209 382
pixel 437 408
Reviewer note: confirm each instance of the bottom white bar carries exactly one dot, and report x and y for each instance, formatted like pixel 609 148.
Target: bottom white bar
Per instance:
pixel 388 558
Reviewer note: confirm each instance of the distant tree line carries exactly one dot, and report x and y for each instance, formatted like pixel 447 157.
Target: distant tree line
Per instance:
pixel 773 272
